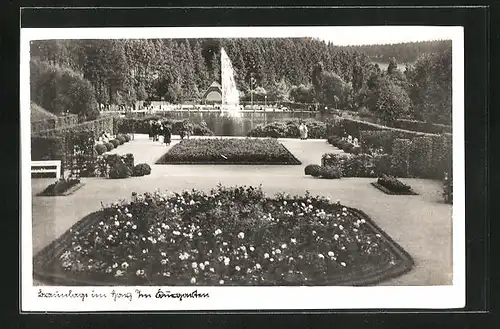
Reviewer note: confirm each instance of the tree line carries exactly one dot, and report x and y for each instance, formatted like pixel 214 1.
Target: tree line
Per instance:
pixel 304 70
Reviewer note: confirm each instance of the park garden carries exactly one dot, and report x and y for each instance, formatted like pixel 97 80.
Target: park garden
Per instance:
pixel 263 208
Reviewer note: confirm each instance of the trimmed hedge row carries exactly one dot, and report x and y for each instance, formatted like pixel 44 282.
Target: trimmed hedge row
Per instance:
pixel 290 129
pixel 141 126
pixel 422 126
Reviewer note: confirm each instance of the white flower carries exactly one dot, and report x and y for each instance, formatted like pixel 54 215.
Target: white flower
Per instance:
pixel 115 265
pixel 331 254
pixel 212 270
pixel 176 233
pixel 293 240
pixel 252 248
pixel 342 263
pixel 207 263
pixel 290 259
pixel 278 251
pixel 321 256
pixel 221 281
pixel 129 215
pixel 193 280
pixel 226 261
pixel 241 235
pixel 243 248
pixel 191 202
pixel 344 209
pixel 363 221
pixel 284 202
pixel 284 246
pixel 163 262
pixel 266 255
pixel 101 223
pixel 163 254
pixel 336 236
pixel 202 266
pixel 124 265
pixel 199 233
pixel 224 243
pixel 257 266
pixel 341 227
pixel 271 259
pixel 194 265
pixel 237 268
pixel 314 232
pixel 217 232
pixel 134 227
pixel 119 273
pixel 117 223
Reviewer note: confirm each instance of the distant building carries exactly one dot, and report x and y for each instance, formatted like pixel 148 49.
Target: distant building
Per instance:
pixel 213 95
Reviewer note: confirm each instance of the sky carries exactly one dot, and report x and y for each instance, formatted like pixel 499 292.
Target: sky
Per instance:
pixel 344 36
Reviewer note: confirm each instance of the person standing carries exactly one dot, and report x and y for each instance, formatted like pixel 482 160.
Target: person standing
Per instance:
pixel 167 134
pixel 303 131
pixel 150 129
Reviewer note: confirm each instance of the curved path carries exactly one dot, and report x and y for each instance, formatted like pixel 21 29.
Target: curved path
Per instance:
pixel 420 224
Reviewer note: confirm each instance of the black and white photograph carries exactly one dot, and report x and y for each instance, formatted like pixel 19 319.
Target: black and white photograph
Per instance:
pixel 204 168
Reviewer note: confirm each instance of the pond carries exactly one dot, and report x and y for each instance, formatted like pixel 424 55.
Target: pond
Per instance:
pixel 240 125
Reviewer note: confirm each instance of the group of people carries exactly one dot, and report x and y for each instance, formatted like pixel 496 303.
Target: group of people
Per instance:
pixel 157 129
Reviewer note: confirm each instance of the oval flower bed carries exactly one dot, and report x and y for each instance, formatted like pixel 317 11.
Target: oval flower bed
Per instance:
pixel 231 236
pixel 228 151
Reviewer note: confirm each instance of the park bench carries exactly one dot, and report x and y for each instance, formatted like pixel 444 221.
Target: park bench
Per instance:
pixel 46 166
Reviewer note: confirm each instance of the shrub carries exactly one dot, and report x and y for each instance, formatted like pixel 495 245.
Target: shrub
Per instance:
pixel 100 149
pixel 59 187
pixel 347 147
pixel 330 172
pixel 289 129
pixel 401 157
pixel 393 184
pixel 48 148
pixel 334 159
pixel 358 166
pixel 120 170
pixel 109 146
pixel 127 137
pixel 309 169
pixel 121 138
pixel 142 169
pixel 442 152
pixel 421 157
pixel 376 139
pixel 115 142
pixel 316 171
pixel 128 159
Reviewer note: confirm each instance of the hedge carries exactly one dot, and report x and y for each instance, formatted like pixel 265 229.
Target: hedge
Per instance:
pixel 422 126
pixel 401 157
pixel 141 126
pixel 48 148
pixel 290 129
pixel 421 157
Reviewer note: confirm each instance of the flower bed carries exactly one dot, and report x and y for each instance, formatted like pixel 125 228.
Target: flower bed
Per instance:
pixel 228 151
pixel 231 236
pixel 62 187
pixel 391 185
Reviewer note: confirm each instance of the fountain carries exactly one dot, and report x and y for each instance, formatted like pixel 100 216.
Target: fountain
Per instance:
pixel 230 95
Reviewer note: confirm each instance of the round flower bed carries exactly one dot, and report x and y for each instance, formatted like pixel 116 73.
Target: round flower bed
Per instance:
pixel 231 236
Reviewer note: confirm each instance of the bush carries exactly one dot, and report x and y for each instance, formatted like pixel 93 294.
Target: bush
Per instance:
pixel 142 169
pixel 100 149
pixel 358 166
pixel 48 148
pixel 109 146
pixel 309 169
pixel 401 157
pixel 316 171
pixel 121 138
pixel 115 142
pixel 120 170
pixel 330 173
pixel 393 184
pixel 127 137
pixel 376 139
pixel 128 159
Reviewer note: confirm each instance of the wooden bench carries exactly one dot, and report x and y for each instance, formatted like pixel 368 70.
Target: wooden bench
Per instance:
pixel 48 166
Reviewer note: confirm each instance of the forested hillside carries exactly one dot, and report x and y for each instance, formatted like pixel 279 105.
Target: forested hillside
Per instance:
pixel 304 70
pixel 407 52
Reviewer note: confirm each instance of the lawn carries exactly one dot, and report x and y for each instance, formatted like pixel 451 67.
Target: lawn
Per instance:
pixel 229 151
pixel 230 236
